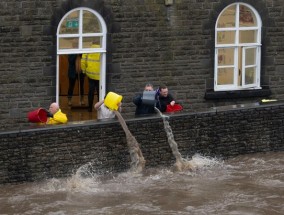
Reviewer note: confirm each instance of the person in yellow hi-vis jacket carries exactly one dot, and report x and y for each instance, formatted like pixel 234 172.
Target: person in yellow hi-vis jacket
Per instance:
pixel 55 116
pixel 90 64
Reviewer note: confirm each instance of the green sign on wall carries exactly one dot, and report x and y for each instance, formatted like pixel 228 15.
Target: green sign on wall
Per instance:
pixel 72 23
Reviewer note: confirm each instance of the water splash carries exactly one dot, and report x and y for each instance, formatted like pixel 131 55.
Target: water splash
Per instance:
pixel 218 187
pixel 137 160
pixel 50 186
pixel 84 179
pixel 181 163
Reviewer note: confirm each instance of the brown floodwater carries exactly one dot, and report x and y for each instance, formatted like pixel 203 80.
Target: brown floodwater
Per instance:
pixel 245 185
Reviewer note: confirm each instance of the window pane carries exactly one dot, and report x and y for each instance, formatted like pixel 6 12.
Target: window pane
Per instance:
pixel 225 76
pixel 250 56
pixel 225 57
pixel 250 75
pixel 226 37
pixel 89 41
pixel 248 36
pixel 247 17
pixel 227 19
pixel 91 23
pixel 69 43
pixel 70 24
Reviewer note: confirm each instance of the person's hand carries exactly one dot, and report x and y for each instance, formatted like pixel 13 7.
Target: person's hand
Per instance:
pixel 172 103
pixel 48 114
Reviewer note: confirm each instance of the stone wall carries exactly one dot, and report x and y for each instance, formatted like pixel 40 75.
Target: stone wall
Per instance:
pixel 58 151
pixel 147 42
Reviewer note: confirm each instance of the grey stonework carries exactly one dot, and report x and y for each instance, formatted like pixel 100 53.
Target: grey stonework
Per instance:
pixel 58 151
pixel 147 42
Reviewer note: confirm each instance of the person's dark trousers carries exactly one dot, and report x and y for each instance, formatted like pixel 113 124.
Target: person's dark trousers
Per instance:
pixel 82 80
pixel 72 82
pixel 93 85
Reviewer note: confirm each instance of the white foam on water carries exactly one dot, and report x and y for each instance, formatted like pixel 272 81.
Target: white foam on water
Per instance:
pixel 51 185
pixel 84 180
pixel 203 162
pixel 56 213
pixel 17 199
pixel 159 175
pixel 258 161
pixel 272 183
pixel 145 207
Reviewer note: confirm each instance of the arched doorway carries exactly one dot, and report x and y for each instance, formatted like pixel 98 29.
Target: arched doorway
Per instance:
pixel 77 33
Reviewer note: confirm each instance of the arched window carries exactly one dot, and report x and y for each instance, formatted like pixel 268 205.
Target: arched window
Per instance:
pixel 237 48
pixel 77 31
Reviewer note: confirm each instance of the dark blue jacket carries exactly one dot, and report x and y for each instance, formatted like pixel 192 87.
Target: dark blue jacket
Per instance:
pixel 141 108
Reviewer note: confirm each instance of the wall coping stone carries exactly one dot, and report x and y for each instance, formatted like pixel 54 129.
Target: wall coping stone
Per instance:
pixel 142 118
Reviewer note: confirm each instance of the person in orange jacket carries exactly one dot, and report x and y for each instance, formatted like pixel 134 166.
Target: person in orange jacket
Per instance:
pixel 55 116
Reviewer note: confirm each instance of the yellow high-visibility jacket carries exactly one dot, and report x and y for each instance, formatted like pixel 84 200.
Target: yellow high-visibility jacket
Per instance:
pixel 90 64
pixel 58 118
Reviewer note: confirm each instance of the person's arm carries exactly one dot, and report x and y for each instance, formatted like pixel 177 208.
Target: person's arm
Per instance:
pixel 162 106
pixel 137 100
pixel 119 107
pixel 172 100
pixel 48 114
pixel 98 104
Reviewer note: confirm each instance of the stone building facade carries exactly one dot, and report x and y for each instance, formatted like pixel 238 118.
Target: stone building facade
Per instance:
pixel 147 41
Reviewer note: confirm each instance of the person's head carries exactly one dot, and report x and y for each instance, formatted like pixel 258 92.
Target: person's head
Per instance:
pixel 53 108
pixel 163 91
pixel 148 87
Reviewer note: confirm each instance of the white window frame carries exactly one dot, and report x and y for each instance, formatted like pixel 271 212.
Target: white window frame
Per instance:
pixel 244 66
pixel 81 50
pixel 236 45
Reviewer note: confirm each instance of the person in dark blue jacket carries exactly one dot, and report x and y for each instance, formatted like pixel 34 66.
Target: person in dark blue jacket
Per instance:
pixel 145 102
